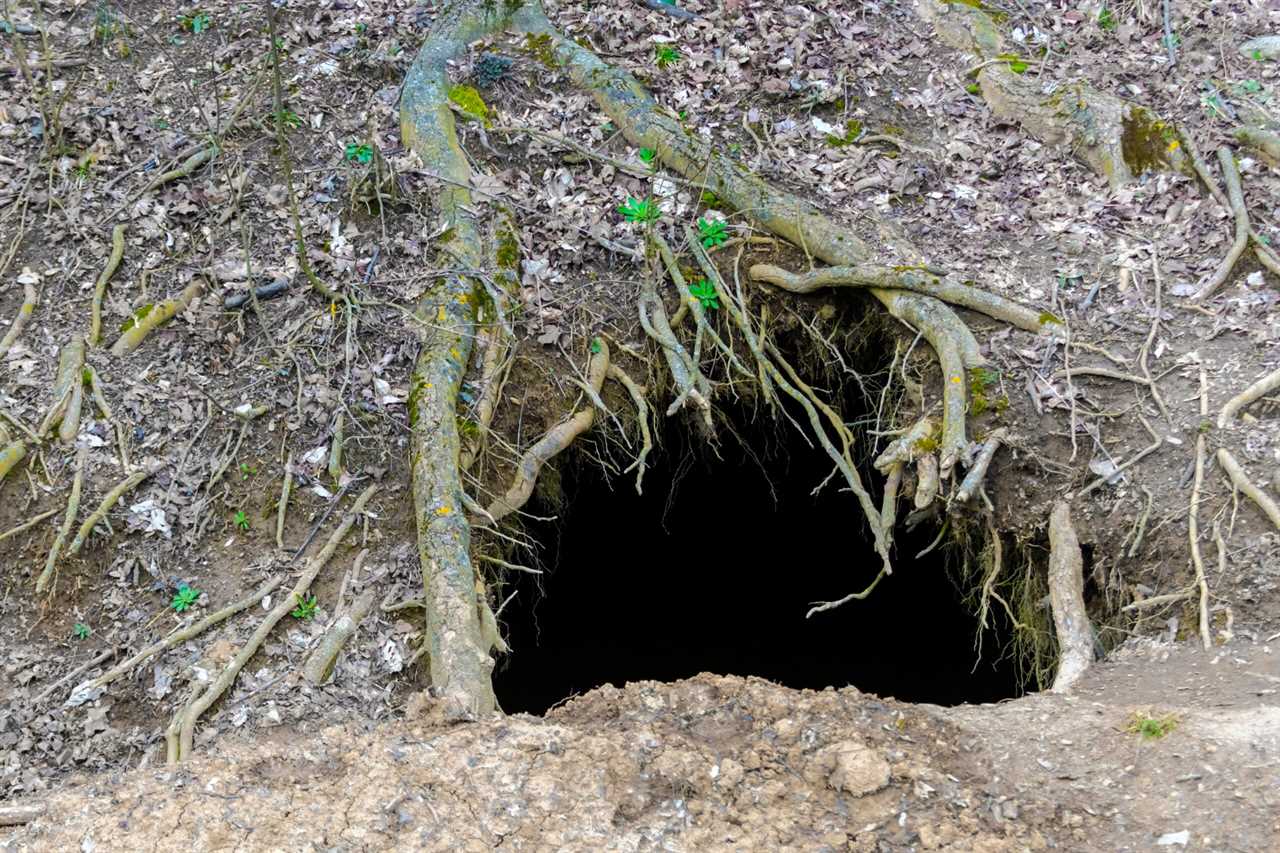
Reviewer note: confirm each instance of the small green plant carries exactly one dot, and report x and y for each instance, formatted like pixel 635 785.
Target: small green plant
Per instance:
pixel 195 24
pixel 81 631
pixel 852 130
pixel 242 520
pixel 361 154
pixel 1151 728
pixel 644 210
pixel 185 598
pixel 289 119
pixel 1249 87
pixel 973 89
pixel 360 29
pixel 1016 64
pixel 1106 20
pixel 595 346
pixel 713 232
pixel 647 154
pixel 710 199
pixel 1047 317
pixel 1258 56
pixel 247 471
pixel 665 55
pixel 306 608
pixel 705 292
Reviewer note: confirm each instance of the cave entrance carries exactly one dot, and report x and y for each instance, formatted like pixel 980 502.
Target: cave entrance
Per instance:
pixel 713 570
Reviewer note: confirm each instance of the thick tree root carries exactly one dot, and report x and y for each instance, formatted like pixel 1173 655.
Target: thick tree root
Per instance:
pixel 1115 138
pixel 17 815
pixel 160 313
pixel 10 456
pixel 92 688
pixel 100 288
pixel 554 442
pixel 1241 481
pixel 73 507
pixel 1066 597
pixel 320 663
pixel 30 299
pixel 1262 140
pixel 68 393
pixel 186 719
pixel 1254 392
pixel 129 484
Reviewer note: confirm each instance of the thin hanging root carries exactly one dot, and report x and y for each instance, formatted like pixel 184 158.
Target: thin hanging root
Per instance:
pixel 917 280
pixel 1236 194
pixel 683 372
pixel 283 509
pixel 1193 515
pixel 100 288
pixel 186 719
pixel 1242 482
pixel 556 440
pixel 27 525
pixel 68 392
pixel 1066 596
pixel 160 313
pixel 10 456
pixel 637 392
pixel 1256 391
pixel 889 502
pixel 690 301
pixel 320 663
pixel 85 691
pixel 129 484
pixel 973 480
pixel 493 364
pixel 30 299
pixel 73 506
pixel 857 596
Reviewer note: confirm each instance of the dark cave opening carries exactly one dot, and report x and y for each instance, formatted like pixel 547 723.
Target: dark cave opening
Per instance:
pixel 713 570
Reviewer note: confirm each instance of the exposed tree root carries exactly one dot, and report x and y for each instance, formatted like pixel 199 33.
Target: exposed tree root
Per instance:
pixel 160 313
pixel 73 506
pixel 1261 139
pixel 1256 391
pixel 978 471
pixel 27 525
pixel 185 169
pixel 282 507
pixel 1066 597
pixel 320 663
pixel 921 280
pixel 90 689
pixel 1241 481
pixel 1193 515
pixel 1236 196
pixel 30 299
pixel 10 456
pixel 190 714
pixel 691 385
pixel 1116 138
pixel 68 392
pixel 17 815
pixel 553 443
pixel 100 287
pixel 636 391
pixel 129 484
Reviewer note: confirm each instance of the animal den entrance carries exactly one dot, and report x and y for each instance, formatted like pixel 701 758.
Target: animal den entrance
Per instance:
pixel 713 570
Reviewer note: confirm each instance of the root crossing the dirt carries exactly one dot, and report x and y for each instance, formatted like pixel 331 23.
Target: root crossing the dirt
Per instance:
pixel 1066 597
pixel 144 322
pixel 30 299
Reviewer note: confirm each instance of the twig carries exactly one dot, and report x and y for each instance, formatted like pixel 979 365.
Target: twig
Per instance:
pixel 319 665
pixel 84 667
pixel 279 287
pixel 27 525
pixel 73 506
pixel 1168 33
pixel 1157 441
pixel 1156 601
pixel 195 161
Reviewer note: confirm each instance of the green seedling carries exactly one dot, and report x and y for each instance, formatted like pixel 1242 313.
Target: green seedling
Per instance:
pixel 289 119
pixel 595 346
pixel 196 24
pixel 1106 20
pixel 665 55
pixel 306 608
pixel 361 154
pixel 643 210
pixel 247 471
pixel 705 292
pixel 713 232
pixel 360 29
pixel 185 598
pixel 242 520
pixel 81 631
pixel 647 154
pixel 1151 728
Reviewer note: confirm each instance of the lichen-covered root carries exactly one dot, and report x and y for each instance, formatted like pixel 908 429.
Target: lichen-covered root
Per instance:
pixel 73 506
pixel 30 299
pixel 555 441
pixel 160 313
pixel 320 663
pixel 10 456
pixel 68 392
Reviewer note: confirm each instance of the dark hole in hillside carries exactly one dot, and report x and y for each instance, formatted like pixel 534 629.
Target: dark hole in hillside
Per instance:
pixel 716 573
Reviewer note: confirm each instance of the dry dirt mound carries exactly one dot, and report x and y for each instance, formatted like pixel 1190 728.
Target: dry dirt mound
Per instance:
pixel 717 763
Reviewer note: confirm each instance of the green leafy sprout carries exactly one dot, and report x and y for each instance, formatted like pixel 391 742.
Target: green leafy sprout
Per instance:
pixel 647 154
pixel 289 119
pixel 197 23
pixel 81 631
pixel 1106 20
pixel 306 609
pixel 1151 728
pixel 713 232
pixel 361 154
pixel 705 292
pixel 242 520
pixel 643 210
pixel 665 55
pixel 247 471
pixel 595 346
pixel 185 598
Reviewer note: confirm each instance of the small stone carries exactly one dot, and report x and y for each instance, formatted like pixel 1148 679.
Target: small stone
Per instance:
pixel 853 768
